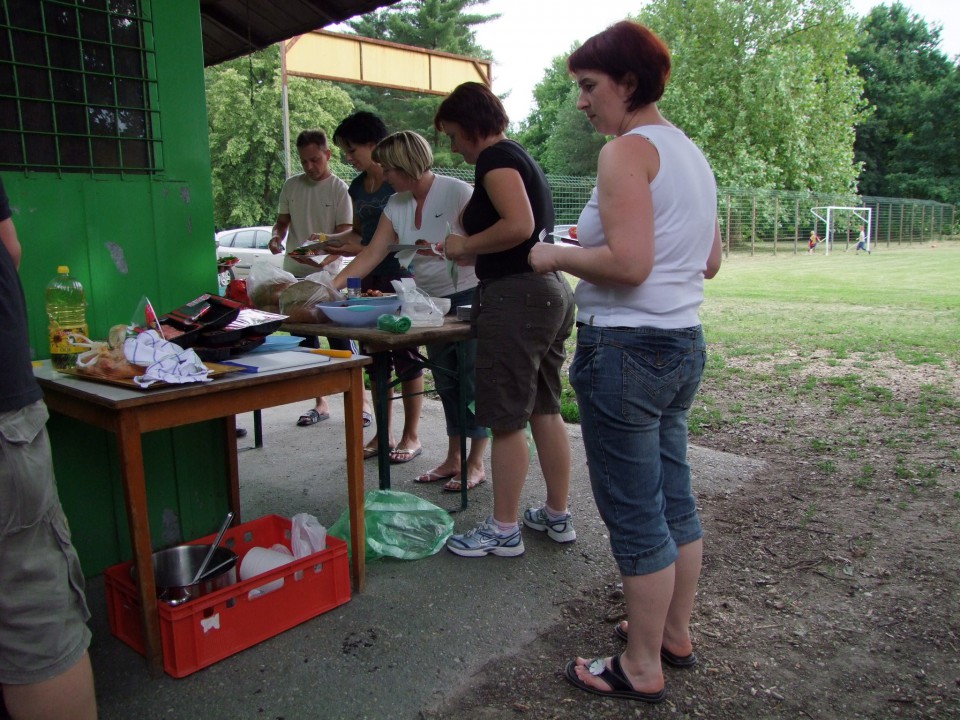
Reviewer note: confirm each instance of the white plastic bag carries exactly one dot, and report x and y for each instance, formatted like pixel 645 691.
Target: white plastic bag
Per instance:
pixel 265 284
pixel 416 304
pixel 307 535
pixel 325 278
pixel 299 301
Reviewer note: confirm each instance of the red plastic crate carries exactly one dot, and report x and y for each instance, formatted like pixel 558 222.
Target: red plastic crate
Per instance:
pixel 202 631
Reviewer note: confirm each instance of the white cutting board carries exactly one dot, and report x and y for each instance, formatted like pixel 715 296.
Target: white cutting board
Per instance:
pixel 277 361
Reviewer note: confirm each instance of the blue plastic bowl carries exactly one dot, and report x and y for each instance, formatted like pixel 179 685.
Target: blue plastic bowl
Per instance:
pixel 358 315
pixel 382 300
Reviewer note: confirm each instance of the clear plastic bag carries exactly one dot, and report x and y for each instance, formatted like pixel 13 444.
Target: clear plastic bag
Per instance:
pixel 299 301
pixel 307 535
pixel 417 305
pixel 398 525
pixel 265 284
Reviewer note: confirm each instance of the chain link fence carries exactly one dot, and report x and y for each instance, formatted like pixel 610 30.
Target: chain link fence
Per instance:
pixel 764 221
pixel 780 221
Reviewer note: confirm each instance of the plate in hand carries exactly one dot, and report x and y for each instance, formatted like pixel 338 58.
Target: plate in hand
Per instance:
pixel 562 233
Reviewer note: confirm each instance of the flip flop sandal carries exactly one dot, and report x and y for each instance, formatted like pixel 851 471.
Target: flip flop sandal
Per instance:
pixel 367 419
pixel 398 456
pixel 369 451
pixel 312 417
pixel 677 661
pixel 613 676
pixel 454 484
pixel 431 477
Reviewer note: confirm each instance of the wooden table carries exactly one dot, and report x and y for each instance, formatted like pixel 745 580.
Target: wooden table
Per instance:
pixel 378 344
pixel 131 412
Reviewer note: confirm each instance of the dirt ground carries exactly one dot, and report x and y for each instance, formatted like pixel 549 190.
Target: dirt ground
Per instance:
pixel 830 580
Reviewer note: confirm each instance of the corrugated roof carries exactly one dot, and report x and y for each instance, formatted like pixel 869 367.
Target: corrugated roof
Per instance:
pixel 232 28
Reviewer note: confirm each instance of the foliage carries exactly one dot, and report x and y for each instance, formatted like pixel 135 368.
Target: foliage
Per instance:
pixel 763 86
pixel 555 132
pixel 444 25
pixel 909 147
pixel 245 117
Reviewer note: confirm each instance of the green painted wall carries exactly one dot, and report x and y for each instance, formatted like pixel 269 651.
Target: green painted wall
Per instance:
pixel 125 237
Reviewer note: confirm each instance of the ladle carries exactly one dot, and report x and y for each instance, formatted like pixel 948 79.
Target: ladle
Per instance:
pixel 206 561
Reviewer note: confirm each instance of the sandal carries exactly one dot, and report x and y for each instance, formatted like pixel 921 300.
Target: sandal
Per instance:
pixel 369 451
pixel 434 476
pixel 453 485
pixel 398 456
pixel 312 417
pixel 619 684
pixel 677 661
pixel 367 419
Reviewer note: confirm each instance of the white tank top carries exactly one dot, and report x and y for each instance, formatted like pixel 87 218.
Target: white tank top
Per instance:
pixel 684 220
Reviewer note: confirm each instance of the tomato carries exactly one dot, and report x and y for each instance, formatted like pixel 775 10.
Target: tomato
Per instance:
pixel 573 231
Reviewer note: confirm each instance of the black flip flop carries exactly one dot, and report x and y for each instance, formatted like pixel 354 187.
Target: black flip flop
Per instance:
pixel 677 661
pixel 312 417
pixel 613 676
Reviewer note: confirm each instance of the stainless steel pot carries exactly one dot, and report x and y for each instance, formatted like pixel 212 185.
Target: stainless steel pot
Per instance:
pixel 175 568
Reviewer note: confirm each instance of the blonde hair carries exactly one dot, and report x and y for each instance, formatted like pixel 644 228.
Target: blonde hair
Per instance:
pixel 406 151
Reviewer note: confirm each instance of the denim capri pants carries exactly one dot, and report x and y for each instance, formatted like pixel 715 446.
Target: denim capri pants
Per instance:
pixel 635 387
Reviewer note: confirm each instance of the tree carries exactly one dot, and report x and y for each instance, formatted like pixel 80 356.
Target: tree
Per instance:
pixel 245 121
pixel 909 146
pixel 763 86
pixel 557 134
pixel 443 25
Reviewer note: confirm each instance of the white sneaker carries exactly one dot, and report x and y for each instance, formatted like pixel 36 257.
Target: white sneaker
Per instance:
pixel 559 530
pixel 485 539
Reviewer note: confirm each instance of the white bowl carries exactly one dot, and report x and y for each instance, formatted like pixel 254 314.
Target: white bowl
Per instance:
pixel 357 315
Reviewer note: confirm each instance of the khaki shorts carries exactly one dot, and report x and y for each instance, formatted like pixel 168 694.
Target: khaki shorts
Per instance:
pixel 521 323
pixel 43 610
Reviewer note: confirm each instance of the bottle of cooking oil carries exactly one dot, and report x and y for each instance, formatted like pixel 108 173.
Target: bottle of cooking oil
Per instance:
pixel 67 311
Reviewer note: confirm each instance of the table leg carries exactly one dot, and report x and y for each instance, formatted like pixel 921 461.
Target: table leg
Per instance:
pixel 233 467
pixel 353 420
pixel 462 419
pixel 257 429
pixel 135 495
pixel 381 409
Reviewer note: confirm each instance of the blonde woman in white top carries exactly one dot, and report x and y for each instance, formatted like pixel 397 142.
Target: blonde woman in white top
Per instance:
pixel 424 210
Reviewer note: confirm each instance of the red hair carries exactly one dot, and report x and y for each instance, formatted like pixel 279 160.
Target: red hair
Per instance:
pixel 627 49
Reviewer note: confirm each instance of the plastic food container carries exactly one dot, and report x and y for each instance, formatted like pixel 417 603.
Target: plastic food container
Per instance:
pixel 358 314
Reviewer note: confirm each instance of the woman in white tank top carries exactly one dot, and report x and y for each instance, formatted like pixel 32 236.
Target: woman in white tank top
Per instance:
pixel 649 237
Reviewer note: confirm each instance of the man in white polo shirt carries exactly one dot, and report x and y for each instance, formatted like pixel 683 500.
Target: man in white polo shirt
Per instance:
pixel 315 201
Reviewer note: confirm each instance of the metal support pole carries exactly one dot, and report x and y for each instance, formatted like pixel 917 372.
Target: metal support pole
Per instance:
pixel 286 108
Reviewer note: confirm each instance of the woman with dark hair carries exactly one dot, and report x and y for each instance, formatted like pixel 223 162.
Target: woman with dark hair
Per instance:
pixel 356 136
pixel 649 237
pixel 521 319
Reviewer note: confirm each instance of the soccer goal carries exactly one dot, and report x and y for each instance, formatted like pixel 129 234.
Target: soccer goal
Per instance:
pixel 833 215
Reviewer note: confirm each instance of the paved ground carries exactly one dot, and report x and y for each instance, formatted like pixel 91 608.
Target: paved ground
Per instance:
pixel 419 631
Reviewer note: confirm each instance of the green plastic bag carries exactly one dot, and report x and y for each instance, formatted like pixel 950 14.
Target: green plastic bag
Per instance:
pixel 398 525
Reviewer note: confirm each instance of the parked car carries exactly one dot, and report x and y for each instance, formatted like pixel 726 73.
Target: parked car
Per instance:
pixel 247 244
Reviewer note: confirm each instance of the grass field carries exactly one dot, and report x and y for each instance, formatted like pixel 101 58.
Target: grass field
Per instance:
pixel 786 309
pixel 843 342
pixel 902 301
